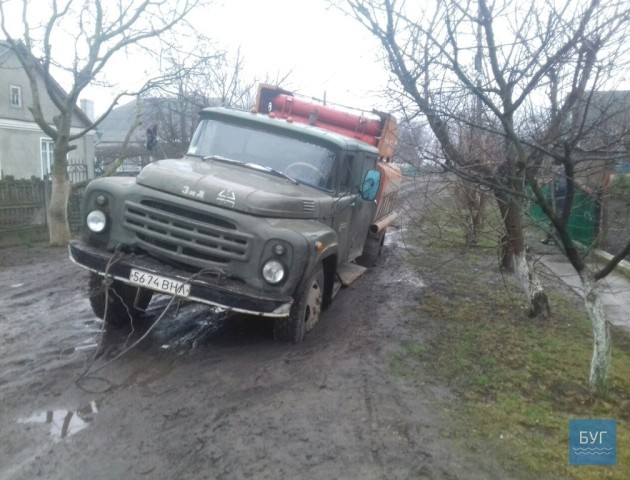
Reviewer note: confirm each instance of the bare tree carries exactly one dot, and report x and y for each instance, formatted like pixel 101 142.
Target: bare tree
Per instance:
pixel 97 30
pixel 204 78
pixel 201 78
pixel 107 163
pixel 514 62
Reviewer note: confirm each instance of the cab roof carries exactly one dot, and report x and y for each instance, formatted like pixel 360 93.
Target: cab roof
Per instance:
pixel 283 127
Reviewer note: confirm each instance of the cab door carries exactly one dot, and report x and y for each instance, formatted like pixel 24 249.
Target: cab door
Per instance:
pixel 351 214
pixel 362 211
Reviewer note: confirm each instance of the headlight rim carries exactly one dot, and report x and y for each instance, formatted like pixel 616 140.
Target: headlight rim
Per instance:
pixel 89 221
pixel 281 268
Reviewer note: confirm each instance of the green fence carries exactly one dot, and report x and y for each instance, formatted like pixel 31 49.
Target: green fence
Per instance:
pixel 583 223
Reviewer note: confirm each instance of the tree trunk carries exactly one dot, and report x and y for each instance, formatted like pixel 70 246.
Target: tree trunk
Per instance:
pixel 58 228
pixel 477 215
pixel 514 255
pixel 471 201
pixel 600 363
pixel 531 284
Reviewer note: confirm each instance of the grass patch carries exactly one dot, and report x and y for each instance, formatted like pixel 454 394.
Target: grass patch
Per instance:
pixel 518 381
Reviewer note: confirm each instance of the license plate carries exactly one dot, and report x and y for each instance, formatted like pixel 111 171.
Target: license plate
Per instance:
pixel 159 283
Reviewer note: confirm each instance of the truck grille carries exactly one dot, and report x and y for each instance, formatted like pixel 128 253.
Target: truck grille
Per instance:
pixel 188 236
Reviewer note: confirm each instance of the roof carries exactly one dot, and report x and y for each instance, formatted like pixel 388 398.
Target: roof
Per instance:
pixel 114 128
pixel 56 88
pixel 607 107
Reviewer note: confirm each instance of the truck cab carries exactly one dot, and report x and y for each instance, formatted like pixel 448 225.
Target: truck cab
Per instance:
pixel 261 216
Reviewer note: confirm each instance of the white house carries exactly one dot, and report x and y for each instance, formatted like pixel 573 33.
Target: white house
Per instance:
pixel 26 151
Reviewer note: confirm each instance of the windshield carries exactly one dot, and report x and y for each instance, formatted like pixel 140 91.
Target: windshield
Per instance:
pixel 305 162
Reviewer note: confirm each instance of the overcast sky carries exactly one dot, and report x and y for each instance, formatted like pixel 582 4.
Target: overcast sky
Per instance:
pixel 326 51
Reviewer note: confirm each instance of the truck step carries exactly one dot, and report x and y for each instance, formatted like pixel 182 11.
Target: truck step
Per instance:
pixel 349 272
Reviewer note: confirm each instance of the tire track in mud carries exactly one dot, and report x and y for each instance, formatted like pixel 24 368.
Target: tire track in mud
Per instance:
pixel 391 444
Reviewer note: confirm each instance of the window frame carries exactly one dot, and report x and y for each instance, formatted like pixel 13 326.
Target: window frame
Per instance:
pixel 18 95
pixel 347 174
pixel 46 162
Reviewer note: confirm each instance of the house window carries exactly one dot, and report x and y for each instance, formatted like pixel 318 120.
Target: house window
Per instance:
pixel 47 147
pixel 16 96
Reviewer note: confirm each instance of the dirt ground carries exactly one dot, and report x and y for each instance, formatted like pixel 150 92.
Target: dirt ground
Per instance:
pixel 203 398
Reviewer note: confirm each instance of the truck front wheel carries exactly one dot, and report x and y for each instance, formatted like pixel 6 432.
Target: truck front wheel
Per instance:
pixel 305 311
pixel 122 307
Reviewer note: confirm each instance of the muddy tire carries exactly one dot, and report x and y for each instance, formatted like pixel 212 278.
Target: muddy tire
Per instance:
pixel 305 311
pixel 122 309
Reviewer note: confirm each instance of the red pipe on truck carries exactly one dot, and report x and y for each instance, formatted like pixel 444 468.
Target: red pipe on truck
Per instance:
pixel 315 113
pixel 333 128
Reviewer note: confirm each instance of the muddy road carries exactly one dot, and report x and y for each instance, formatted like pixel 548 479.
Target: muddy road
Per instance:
pixel 203 398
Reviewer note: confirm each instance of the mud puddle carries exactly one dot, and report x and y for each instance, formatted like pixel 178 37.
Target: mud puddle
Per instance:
pixel 62 423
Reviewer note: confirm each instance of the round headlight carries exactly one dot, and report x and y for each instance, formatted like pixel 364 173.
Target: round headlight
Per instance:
pixel 96 221
pixel 273 272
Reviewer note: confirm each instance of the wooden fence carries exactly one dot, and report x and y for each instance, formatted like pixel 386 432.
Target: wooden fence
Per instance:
pixel 22 204
pixel 23 207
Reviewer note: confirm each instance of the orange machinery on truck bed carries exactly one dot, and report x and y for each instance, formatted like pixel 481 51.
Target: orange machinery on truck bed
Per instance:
pixel 376 128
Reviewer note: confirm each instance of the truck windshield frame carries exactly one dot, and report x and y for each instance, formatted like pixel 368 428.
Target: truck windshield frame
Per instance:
pixel 308 163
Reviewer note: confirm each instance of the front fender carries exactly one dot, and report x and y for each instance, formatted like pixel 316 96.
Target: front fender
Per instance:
pixel 321 239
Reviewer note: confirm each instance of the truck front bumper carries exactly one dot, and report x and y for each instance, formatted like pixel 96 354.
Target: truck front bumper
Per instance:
pixel 214 289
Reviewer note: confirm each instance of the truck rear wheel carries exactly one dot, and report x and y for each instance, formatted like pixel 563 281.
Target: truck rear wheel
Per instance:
pixel 305 311
pixel 122 307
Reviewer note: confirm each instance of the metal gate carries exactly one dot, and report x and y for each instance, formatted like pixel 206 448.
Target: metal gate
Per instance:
pixel 583 225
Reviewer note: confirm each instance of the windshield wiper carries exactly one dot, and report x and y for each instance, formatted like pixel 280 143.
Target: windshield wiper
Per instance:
pixel 223 159
pixel 252 166
pixel 277 173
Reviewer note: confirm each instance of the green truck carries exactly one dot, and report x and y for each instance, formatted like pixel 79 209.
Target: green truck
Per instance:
pixel 268 213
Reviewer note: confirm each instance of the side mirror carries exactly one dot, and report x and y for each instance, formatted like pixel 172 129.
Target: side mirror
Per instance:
pixel 371 182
